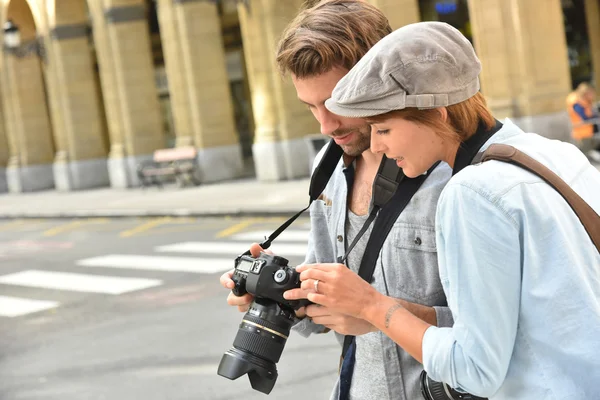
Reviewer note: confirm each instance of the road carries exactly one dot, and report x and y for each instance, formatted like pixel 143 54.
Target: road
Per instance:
pixel 132 309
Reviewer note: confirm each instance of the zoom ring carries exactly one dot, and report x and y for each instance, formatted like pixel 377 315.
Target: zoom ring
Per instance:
pixel 261 346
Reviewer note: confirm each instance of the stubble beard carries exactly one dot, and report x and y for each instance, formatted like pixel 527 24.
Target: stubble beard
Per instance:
pixel 361 143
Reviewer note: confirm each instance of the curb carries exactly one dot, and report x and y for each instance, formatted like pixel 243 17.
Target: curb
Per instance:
pixel 80 214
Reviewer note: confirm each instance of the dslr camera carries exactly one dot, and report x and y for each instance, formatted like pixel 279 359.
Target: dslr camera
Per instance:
pixel 433 390
pixel 264 329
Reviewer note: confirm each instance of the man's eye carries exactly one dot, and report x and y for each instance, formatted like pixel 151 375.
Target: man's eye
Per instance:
pixel 383 131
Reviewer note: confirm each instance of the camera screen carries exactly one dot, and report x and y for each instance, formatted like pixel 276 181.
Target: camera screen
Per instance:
pixel 244 265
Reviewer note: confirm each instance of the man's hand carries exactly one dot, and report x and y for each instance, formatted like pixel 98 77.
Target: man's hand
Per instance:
pixel 341 323
pixel 242 302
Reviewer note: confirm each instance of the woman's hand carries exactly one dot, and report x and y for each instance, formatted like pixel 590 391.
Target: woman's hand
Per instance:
pixel 338 288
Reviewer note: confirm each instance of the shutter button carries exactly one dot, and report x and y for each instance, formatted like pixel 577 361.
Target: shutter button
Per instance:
pixel 340 238
pixel 418 241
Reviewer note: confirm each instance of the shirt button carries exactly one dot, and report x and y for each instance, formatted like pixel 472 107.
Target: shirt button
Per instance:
pixel 340 238
pixel 418 241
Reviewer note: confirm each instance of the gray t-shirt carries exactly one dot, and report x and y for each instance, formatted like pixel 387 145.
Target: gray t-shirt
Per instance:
pixel 368 379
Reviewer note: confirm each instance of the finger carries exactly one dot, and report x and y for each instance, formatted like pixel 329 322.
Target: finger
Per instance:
pixel 226 281
pixel 314 310
pixel 314 273
pixel 234 300
pixel 325 321
pixel 255 250
pixel 243 308
pixel 301 312
pixel 295 294
pixel 309 286
pixel 318 298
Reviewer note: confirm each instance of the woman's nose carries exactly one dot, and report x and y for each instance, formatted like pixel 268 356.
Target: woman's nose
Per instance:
pixel 377 145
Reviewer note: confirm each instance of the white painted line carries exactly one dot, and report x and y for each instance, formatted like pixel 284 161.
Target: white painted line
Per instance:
pixel 158 263
pixel 229 248
pixel 78 282
pixel 286 236
pixel 15 306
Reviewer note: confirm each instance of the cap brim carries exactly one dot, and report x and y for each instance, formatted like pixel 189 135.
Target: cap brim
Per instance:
pixel 352 112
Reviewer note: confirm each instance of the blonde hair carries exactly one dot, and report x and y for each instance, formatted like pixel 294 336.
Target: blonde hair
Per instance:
pixel 331 33
pixel 584 88
pixel 463 118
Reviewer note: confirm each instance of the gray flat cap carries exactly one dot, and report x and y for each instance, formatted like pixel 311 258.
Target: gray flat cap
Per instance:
pixel 423 65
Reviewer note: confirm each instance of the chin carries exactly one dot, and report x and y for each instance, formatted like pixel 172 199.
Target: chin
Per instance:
pixel 411 172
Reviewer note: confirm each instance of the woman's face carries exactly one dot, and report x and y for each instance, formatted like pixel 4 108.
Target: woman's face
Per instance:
pixel 415 147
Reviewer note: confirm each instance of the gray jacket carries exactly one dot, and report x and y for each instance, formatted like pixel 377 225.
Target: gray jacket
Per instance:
pixel 406 268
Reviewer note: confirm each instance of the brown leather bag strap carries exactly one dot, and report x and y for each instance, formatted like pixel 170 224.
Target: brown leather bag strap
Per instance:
pixel 588 217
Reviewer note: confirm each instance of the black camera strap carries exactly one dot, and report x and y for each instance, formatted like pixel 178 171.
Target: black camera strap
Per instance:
pixel 386 182
pixel 384 191
pixel 318 182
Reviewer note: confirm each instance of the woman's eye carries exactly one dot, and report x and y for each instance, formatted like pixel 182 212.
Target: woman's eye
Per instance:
pixel 383 131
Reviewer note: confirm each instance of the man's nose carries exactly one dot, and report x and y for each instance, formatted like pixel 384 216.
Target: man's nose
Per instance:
pixel 329 122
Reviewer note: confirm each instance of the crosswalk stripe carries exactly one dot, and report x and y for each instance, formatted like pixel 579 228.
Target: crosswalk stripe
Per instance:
pixel 286 236
pixel 159 263
pixel 78 282
pixel 229 248
pixel 15 306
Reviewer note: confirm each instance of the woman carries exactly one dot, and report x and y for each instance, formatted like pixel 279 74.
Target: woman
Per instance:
pixel 521 275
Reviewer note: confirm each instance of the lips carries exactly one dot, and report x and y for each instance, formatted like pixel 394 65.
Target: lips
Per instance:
pixel 343 139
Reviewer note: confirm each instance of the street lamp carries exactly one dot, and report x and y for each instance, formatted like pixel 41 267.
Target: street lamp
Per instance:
pixel 13 45
pixel 12 37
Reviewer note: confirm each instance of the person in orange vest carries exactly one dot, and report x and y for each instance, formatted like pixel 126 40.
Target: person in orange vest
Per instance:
pixel 584 119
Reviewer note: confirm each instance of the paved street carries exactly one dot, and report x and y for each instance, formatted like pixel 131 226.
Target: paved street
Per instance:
pixel 132 309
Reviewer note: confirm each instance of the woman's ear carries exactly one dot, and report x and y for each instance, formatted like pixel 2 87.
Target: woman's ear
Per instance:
pixel 443 112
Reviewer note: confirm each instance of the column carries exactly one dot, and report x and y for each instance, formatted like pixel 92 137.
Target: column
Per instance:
pixel 4 154
pixel 80 161
pixel 399 12
pixel 199 86
pixel 122 42
pixel 30 135
pixel 525 64
pixel 281 121
pixel 592 16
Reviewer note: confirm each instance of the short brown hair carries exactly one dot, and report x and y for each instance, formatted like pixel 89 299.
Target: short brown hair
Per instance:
pixel 331 33
pixel 463 118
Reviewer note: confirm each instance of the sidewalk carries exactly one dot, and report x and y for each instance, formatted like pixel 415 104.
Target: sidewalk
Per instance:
pixel 246 197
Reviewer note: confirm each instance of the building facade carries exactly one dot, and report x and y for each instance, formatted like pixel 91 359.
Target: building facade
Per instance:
pixel 91 88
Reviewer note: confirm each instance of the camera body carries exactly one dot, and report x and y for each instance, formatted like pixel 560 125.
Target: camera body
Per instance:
pixel 264 329
pixel 267 277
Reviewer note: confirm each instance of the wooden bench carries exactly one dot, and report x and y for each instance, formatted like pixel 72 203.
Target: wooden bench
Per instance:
pixel 179 163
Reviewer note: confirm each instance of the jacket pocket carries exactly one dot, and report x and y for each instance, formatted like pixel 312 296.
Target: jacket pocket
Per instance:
pixel 409 261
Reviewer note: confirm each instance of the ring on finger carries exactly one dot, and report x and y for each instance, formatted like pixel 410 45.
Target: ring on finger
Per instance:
pixel 316 286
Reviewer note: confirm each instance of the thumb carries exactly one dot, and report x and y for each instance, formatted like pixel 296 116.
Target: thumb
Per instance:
pixel 255 249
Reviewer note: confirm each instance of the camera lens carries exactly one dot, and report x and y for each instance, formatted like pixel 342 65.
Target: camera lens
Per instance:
pixel 258 345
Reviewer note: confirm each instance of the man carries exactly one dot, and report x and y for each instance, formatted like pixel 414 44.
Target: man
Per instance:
pixel 317 49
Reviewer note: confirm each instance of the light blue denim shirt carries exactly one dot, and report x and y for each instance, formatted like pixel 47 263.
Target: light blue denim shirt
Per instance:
pixel 522 279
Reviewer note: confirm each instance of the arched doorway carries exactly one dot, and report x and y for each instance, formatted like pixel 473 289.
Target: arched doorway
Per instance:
pixel 29 132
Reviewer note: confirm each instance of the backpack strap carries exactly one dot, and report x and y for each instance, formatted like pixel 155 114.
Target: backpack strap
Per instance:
pixel 586 214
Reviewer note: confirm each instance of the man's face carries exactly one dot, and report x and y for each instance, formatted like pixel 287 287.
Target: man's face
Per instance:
pixel 352 134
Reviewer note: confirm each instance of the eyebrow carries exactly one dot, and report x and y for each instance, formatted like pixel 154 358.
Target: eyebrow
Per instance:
pixel 309 104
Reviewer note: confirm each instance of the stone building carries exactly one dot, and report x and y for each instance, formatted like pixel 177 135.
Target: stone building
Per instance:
pixel 90 88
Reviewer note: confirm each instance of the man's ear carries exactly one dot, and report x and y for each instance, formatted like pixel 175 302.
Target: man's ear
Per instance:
pixel 444 113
